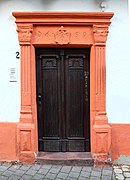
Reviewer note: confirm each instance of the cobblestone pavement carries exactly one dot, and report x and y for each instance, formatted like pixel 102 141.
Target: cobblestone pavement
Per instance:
pixel 122 172
pixel 39 172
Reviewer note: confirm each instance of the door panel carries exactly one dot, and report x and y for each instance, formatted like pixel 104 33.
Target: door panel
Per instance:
pixel 50 99
pixel 50 104
pixel 74 90
pixel 63 114
pixel 74 102
pixel 49 134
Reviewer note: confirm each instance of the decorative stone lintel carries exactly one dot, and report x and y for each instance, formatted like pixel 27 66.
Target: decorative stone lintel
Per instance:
pixel 100 34
pixel 24 33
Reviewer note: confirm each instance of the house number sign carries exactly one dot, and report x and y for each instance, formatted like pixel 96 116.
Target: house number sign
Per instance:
pixel 17 55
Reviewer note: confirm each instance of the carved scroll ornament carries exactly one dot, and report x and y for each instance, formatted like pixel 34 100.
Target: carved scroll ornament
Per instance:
pixel 100 33
pixel 24 33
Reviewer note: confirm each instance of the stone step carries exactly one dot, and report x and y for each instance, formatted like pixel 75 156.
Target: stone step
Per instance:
pixel 65 158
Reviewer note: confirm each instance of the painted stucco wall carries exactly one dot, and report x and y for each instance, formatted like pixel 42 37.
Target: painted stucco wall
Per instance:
pixel 118 54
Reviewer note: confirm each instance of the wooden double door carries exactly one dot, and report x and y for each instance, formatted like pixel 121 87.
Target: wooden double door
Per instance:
pixel 63 99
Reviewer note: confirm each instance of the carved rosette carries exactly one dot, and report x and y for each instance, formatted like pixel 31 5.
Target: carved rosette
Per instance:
pixel 62 36
pixel 100 33
pixel 24 33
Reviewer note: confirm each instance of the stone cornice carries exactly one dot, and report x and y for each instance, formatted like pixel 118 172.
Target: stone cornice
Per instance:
pixel 60 17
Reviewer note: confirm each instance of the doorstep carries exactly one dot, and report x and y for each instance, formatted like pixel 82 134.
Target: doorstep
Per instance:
pixel 65 158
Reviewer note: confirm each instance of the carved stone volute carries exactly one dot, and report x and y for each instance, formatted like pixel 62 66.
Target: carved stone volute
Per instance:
pixel 100 33
pixel 24 33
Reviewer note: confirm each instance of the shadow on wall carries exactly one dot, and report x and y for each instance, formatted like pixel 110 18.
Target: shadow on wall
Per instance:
pixel 47 3
pixel 71 5
pixel 123 160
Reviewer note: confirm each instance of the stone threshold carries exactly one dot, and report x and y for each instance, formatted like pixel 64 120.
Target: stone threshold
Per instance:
pixel 65 158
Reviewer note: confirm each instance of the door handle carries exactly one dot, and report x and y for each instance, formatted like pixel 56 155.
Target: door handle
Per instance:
pixel 39 99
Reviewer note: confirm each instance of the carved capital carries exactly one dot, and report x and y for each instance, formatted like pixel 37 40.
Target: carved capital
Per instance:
pixel 100 33
pixel 24 33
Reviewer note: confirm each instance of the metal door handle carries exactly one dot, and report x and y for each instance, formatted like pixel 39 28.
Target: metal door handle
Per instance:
pixel 39 98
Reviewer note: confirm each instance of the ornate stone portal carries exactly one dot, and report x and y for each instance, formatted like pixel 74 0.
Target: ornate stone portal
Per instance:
pixel 48 29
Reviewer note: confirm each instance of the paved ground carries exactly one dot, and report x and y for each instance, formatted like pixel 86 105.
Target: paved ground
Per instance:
pixel 122 172
pixel 38 172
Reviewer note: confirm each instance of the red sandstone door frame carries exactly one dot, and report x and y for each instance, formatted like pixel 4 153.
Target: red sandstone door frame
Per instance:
pixel 48 29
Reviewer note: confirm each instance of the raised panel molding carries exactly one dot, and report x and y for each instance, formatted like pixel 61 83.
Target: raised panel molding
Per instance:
pixel 25 142
pixel 103 141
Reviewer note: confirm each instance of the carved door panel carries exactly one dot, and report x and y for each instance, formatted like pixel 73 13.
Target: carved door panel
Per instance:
pixel 63 99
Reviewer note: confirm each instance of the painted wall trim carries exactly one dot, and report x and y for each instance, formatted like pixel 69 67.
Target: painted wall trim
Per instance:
pixel 8 141
pixel 40 29
pixel 120 141
pixel 120 145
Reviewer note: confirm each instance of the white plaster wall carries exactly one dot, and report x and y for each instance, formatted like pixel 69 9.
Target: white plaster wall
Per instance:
pixel 118 55
pixel 118 64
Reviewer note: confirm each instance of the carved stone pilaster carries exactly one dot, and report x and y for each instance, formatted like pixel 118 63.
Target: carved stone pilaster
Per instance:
pixel 100 33
pixel 24 33
pixel 26 106
pixel 101 128
pixel 100 79
pixel 25 129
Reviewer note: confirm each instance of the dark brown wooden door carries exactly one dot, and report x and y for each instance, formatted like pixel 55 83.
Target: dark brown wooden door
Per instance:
pixel 63 99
